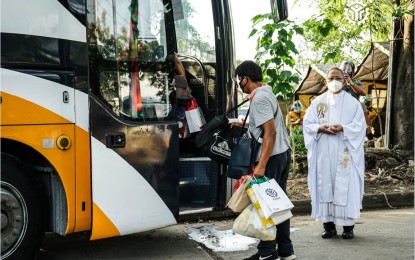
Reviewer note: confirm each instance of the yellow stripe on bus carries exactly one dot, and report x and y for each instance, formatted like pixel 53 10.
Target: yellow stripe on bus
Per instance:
pixel 30 123
pixel 35 137
pixel 83 180
pixel 16 111
pixel 102 227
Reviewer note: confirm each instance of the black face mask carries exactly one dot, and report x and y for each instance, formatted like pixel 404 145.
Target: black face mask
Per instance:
pixel 242 86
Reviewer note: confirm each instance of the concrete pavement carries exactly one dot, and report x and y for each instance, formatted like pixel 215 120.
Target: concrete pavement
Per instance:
pixel 380 234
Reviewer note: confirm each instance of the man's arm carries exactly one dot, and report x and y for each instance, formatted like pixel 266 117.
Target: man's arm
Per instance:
pixel 357 88
pixel 179 66
pixel 268 142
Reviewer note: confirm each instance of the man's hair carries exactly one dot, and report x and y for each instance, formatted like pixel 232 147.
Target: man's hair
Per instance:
pixel 249 69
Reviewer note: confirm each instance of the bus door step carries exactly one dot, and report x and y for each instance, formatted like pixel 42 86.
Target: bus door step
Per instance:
pixel 198 182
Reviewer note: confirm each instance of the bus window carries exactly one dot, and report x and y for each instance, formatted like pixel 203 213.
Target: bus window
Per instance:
pixel 154 105
pixel 195 32
pixel 131 66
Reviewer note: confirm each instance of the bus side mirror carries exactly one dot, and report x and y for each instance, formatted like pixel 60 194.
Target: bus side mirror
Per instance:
pixel 279 10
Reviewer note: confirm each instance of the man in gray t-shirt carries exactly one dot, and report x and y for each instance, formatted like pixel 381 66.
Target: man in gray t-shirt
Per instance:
pixel 274 157
pixel 264 107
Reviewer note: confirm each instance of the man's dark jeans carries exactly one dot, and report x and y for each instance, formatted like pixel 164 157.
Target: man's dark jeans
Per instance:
pixel 278 167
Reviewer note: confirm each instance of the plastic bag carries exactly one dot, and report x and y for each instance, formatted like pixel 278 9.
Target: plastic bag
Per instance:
pixel 248 224
pixel 181 119
pixel 194 116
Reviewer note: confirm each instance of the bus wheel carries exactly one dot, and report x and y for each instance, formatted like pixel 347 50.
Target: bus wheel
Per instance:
pixel 22 211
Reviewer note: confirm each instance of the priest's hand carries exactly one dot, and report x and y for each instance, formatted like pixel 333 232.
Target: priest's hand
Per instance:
pixel 325 129
pixel 336 128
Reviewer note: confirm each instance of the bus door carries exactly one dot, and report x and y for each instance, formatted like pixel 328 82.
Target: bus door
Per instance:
pixel 134 133
pixel 200 47
pixel 204 37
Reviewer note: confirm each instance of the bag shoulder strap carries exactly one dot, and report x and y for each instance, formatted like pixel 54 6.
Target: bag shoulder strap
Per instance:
pixel 246 116
pixel 243 124
pixel 235 107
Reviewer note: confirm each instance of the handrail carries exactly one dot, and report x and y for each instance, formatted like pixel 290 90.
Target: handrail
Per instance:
pixel 204 77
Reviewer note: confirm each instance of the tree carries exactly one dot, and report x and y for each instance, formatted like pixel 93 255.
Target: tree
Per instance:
pixel 276 56
pixel 338 34
pixel 401 80
pixel 276 51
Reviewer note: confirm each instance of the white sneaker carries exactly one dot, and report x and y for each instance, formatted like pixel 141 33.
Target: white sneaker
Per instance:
pixel 290 257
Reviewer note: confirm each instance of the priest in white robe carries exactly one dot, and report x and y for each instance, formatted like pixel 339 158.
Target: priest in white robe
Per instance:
pixel 334 131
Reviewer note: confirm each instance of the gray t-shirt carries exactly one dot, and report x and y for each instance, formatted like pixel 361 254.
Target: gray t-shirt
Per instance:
pixel 263 107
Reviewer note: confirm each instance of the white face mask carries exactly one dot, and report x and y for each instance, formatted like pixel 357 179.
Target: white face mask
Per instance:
pixel 334 85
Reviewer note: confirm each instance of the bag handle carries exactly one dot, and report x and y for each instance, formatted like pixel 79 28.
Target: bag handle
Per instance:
pixel 235 107
pixel 256 180
pixel 243 124
pixel 246 116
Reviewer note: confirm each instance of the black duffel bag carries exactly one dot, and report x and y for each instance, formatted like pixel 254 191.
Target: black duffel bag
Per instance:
pixel 217 138
pixel 217 124
pixel 221 144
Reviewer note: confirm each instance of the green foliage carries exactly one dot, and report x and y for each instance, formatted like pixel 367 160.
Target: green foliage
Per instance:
pixel 401 11
pixel 336 38
pixel 276 51
pixel 297 135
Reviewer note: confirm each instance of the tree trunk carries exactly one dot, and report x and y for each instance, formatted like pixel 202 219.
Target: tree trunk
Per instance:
pixel 402 87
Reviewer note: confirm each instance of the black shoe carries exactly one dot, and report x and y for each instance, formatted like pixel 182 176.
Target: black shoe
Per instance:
pixel 329 230
pixel 348 232
pixel 288 257
pixel 273 256
pixel 329 233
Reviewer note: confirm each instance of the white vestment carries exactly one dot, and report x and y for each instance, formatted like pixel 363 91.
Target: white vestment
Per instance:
pixel 336 163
